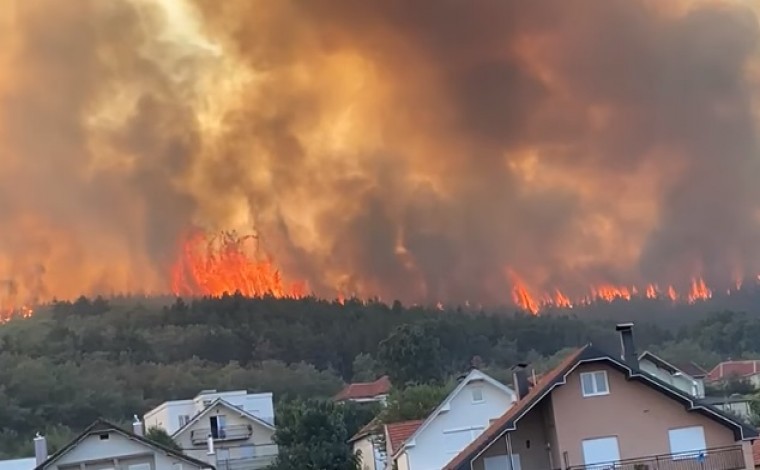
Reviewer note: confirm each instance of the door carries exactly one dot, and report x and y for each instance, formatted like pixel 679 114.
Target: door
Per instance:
pixel 601 453
pixel 217 426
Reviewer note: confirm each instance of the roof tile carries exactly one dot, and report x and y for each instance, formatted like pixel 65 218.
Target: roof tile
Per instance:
pixel 359 390
pixel 398 433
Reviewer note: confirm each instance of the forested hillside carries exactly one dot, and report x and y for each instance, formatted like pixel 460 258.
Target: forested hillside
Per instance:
pixel 73 362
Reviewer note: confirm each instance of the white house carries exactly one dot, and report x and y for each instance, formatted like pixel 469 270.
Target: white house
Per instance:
pixel 466 412
pixel 105 446
pixel 172 415
pixel 228 437
pixel 672 375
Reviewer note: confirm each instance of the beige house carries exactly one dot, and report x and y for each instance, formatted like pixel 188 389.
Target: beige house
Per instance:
pixel 105 446
pixel 600 411
pixel 228 437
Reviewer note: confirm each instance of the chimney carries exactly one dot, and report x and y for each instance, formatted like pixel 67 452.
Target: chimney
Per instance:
pixel 628 348
pixel 520 380
pixel 137 427
pixel 210 445
pixel 40 449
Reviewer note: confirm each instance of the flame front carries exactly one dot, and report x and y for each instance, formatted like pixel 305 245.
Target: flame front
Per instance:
pixel 532 300
pixel 226 264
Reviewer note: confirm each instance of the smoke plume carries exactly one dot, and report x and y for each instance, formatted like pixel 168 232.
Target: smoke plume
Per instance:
pixel 416 150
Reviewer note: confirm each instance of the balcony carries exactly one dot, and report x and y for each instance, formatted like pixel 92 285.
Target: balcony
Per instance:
pixel 721 458
pixel 227 433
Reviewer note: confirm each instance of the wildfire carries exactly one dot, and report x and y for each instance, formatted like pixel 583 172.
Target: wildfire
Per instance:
pixel 9 313
pixel 224 264
pixel 526 299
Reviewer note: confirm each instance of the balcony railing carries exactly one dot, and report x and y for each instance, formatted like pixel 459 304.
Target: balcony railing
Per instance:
pixel 265 456
pixel 227 433
pixel 721 458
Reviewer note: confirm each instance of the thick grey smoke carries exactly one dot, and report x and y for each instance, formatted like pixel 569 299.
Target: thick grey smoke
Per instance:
pixel 416 150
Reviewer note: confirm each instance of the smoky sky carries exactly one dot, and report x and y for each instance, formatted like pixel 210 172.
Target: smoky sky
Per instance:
pixel 412 150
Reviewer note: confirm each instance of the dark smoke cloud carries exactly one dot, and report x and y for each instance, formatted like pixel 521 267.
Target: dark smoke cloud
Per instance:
pixel 413 150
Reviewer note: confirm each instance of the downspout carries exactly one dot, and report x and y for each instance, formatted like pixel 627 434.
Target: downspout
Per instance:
pixel 509 451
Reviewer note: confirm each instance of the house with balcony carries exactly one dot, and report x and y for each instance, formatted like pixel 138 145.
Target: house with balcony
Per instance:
pixel 598 411
pixel 691 382
pixel 230 430
pixel 172 415
pixel 106 446
pixel 228 437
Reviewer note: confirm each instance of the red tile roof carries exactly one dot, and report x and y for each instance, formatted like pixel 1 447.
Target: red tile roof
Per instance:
pixel 516 409
pixel 398 433
pixel 356 391
pixel 734 369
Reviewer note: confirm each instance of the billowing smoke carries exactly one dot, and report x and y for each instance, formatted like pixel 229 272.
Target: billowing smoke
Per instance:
pixel 417 150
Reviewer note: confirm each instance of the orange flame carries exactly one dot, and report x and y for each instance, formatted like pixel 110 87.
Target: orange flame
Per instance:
pixel 525 297
pixel 699 290
pixel 521 296
pixel 222 265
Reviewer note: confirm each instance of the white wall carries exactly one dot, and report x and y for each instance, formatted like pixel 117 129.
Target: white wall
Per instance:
pixel 428 453
pixel 166 415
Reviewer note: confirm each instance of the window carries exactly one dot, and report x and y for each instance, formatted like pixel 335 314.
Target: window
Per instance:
pixel 455 440
pixel 501 462
pixel 687 443
pixel 600 453
pixel 594 383
pixel 477 395
pixel 183 420
pixel 104 437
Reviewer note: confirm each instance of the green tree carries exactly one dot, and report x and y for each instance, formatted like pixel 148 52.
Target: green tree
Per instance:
pixel 411 355
pixel 161 437
pixel 413 402
pixel 312 435
pixel 364 368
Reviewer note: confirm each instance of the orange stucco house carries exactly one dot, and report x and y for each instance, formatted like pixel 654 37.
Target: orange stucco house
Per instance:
pixel 598 411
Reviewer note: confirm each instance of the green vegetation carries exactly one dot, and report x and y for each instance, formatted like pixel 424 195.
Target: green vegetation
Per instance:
pixel 76 361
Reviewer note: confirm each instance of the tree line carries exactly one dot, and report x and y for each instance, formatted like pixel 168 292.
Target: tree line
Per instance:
pixel 75 361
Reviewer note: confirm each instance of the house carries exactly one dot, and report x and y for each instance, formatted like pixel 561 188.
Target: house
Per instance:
pixel 172 415
pixel 674 375
pixel 747 370
pixel 105 446
pixel 366 392
pixel 228 436
pixel 597 411
pixel 458 420
pixel 735 404
pixel 372 454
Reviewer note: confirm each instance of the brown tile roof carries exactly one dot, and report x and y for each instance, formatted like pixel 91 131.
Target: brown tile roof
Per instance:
pixel 543 384
pixel 359 390
pixel 398 433
pixel 735 369
pixel 756 452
